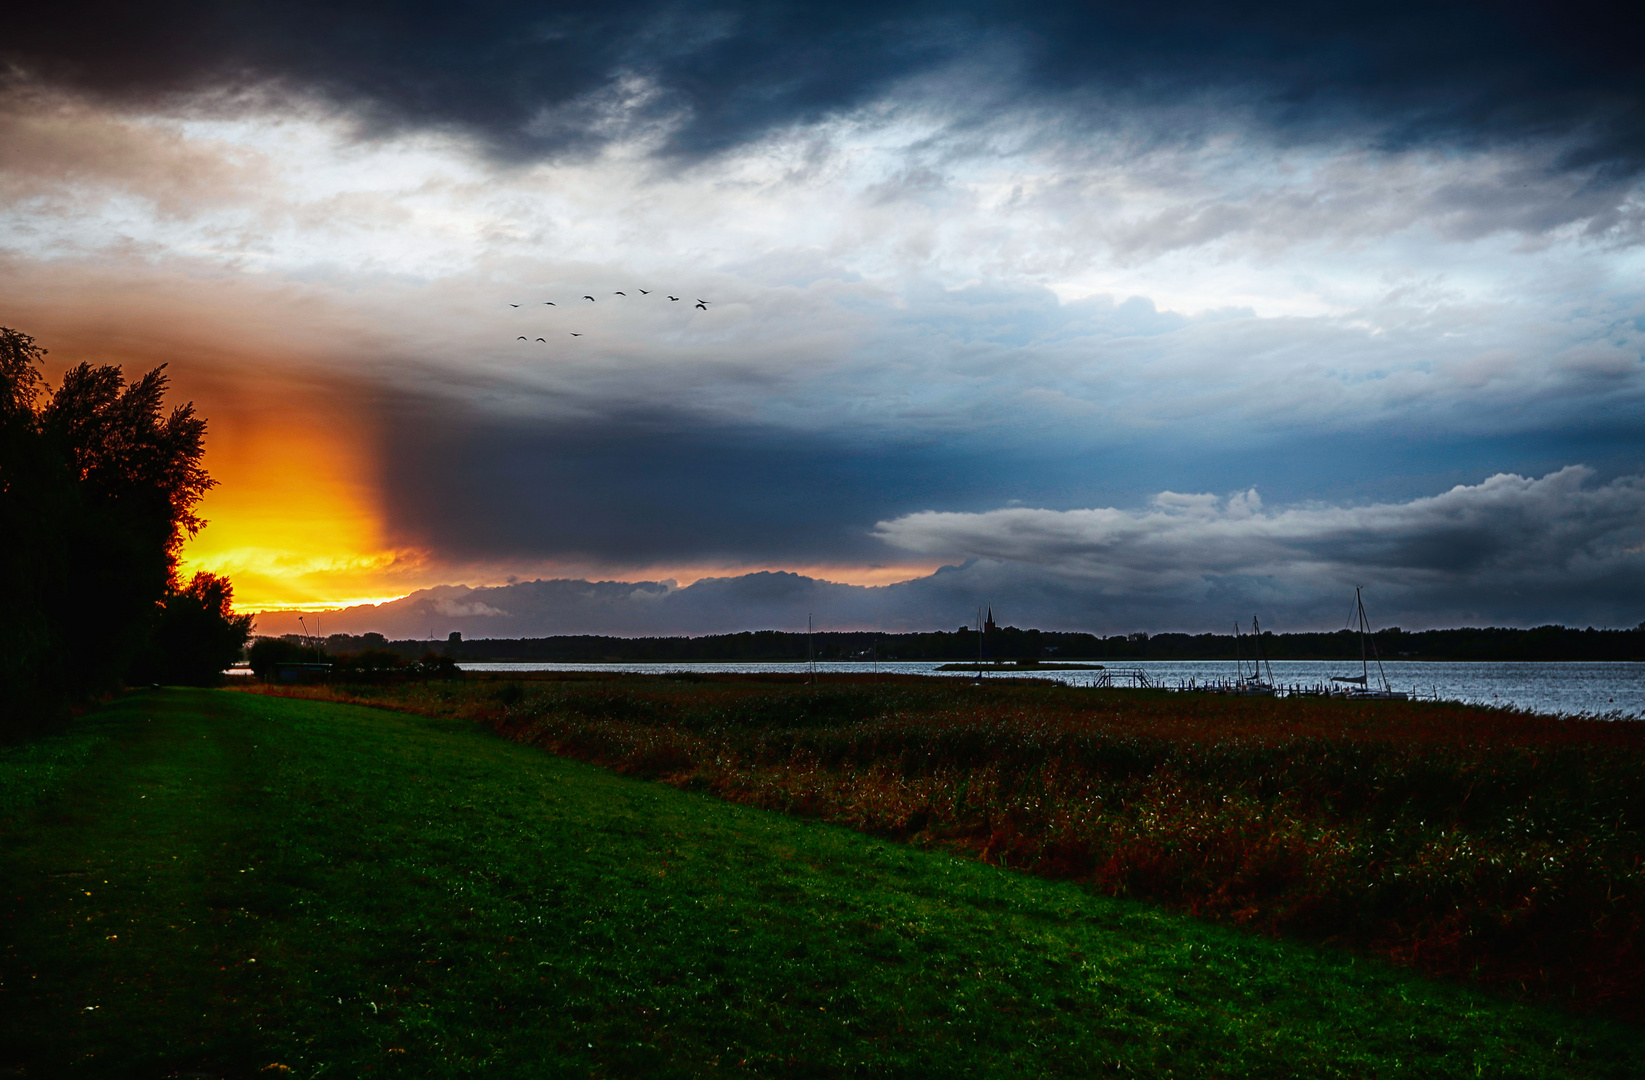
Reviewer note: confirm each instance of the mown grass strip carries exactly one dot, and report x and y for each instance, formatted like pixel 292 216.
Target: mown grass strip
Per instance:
pixel 236 882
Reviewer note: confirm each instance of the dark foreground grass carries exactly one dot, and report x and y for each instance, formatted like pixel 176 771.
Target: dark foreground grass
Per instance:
pixel 230 885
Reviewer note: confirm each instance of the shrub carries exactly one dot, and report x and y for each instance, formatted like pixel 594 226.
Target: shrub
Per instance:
pixel 267 653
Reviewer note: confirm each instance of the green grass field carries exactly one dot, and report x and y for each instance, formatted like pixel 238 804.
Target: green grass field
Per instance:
pixel 202 883
pixel 1501 848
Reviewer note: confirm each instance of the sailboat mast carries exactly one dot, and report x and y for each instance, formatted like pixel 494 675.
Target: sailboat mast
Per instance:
pixel 1365 624
pixel 1261 660
pixel 1364 668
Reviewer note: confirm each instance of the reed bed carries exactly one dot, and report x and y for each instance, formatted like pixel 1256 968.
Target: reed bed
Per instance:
pixel 1485 845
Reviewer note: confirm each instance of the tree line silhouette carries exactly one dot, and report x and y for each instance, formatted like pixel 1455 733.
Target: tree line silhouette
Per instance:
pixel 1009 643
pixel 98 487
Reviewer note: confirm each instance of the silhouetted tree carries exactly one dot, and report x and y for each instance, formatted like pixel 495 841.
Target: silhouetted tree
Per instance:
pixel 197 635
pixel 98 486
pixel 26 654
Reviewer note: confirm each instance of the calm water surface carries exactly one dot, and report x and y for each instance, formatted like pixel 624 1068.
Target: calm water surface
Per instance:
pixel 1564 688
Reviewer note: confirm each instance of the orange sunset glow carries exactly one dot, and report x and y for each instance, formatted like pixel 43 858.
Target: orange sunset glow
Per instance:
pixel 294 519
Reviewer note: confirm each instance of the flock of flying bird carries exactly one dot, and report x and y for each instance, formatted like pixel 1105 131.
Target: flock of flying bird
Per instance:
pixel 700 304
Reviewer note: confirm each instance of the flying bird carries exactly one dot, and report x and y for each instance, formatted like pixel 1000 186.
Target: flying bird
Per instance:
pixel 543 340
pixel 546 303
pixel 575 334
pixel 589 298
pixel 645 292
pixel 619 292
pixel 700 300
pixel 673 297
pixel 514 305
pixel 702 305
pixel 520 338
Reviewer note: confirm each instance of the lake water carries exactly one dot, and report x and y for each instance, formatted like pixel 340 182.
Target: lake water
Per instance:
pixel 1562 688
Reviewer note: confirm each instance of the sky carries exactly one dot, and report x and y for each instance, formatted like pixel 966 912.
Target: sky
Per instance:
pixel 1110 317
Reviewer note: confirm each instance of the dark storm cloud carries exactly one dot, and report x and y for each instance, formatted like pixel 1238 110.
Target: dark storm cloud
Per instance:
pixel 635 491
pixel 644 490
pixel 539 78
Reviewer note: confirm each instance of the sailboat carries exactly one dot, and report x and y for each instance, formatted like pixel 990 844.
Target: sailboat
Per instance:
pixel 1359 686
pixel 1253 683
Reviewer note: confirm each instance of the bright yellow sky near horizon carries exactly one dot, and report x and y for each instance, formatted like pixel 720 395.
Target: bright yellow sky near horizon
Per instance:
pixel 294 520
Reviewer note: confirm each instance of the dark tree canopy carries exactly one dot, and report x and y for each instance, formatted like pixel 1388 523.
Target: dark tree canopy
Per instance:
pixel 196 636
pixel 98 486
pixel 121 452
pixel 20 383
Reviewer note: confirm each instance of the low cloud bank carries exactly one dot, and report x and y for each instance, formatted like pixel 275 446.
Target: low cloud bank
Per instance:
pixel 1509 531
pixel 1509 551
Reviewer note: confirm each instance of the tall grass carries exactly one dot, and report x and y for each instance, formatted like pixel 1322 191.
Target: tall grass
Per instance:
pixel 1486 845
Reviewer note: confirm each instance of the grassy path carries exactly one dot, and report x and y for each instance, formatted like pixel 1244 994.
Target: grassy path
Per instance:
pixel 229 885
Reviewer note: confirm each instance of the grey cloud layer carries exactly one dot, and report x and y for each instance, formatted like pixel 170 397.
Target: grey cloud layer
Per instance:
pixel 751 442
pixel 1509 550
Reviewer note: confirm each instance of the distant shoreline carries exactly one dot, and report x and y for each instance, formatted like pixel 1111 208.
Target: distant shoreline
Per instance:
pixel 1012 665
pixel 1006 645
pixel 1017 665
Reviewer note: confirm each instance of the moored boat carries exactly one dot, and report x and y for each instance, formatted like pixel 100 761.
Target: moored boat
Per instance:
pixel 1360 686
pixel 1254 684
